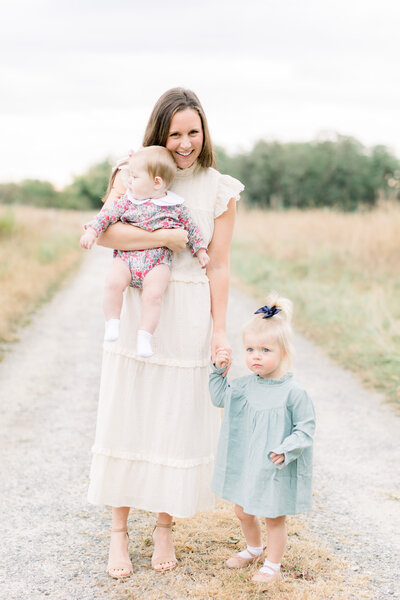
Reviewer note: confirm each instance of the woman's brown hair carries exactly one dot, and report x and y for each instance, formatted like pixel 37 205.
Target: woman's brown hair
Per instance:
pixel 171 102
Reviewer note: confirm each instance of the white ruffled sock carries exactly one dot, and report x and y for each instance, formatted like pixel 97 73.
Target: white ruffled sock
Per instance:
pixel 144 349
pixel 255 551
pixel 111 333
pixel 269 567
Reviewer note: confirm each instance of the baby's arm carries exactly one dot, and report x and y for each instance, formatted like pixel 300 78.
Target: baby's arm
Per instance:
pixel 88 238
pixel 303 419
pixel 196 240
pixel 124 236
pixel 218 386
pixel 106 217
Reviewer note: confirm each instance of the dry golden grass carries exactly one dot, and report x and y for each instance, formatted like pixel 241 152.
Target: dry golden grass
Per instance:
pixel 204 542
pixel 362 241
pixel 342 270
pixel 38 248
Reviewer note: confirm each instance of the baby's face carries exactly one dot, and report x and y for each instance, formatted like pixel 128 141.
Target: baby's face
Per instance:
pixel 264 355
pixel 140 183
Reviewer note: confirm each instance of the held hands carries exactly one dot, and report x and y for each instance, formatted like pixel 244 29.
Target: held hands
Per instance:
pixel 222 358
pixel 277 459
pixel 88 238
pixel 203 257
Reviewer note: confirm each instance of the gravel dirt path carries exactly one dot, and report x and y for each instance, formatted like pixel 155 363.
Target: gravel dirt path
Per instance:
pixel 54 544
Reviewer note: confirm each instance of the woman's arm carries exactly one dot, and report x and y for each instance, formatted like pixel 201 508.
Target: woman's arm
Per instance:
pixel 218 274
pixel 123 236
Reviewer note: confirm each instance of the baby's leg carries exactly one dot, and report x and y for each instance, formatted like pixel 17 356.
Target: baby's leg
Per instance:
pixel 154 285
pixel 117 280
pixel 276 544
pixel 250 526
pixel 252 533
pixel 277 538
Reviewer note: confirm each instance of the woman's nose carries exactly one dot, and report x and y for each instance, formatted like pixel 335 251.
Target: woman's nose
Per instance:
pixel 185 143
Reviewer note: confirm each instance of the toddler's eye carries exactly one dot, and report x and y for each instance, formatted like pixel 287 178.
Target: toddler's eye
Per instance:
pixel 249 349
pixel 265 350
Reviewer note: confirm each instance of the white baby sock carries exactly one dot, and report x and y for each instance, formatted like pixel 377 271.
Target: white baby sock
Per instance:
pixel 112 330
pixel 144 349
pixel 269 567
pixel 255 551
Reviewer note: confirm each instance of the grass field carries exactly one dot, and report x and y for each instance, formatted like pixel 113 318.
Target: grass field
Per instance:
pixel 342 271
pixel 38 249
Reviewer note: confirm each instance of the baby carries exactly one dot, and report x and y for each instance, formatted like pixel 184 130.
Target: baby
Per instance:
pixel 146 204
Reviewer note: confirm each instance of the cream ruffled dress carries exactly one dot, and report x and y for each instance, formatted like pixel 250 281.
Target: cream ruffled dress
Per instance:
pixel 157 430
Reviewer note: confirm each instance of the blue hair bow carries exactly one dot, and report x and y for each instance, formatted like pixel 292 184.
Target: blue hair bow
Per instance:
pixel 269 311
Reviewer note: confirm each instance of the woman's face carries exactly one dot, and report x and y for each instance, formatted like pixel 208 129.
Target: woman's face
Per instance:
pixel 185 137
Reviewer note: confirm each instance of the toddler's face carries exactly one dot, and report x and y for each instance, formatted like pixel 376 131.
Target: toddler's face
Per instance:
pixel 264 355
pixel 140 183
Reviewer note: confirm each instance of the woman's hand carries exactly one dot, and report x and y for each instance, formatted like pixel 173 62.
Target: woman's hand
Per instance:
pixel 219 342
pixel 222 357
pixel 175 239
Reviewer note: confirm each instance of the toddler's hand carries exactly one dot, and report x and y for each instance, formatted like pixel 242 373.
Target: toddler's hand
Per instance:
pixel 222 358
pixel 203 257
pixel 277 459
pixel 87 239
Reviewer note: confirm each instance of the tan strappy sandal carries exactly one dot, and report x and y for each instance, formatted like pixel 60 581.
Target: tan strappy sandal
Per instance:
pixel 123 565
pixel 163 562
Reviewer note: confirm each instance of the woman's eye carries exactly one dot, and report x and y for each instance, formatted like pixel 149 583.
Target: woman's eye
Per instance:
pixel 173 134
pixel 194 132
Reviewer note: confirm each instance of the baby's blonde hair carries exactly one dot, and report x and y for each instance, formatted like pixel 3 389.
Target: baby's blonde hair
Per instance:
pixel 278 325
pixel 158 161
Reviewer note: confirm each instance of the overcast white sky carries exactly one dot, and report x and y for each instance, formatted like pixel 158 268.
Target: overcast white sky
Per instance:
pixel 79 77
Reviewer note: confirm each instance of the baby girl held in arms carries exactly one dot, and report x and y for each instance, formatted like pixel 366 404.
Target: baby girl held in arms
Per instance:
pixel 146 204
pixel 264 457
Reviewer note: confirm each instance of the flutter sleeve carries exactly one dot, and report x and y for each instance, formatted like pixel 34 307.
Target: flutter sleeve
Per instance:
pixel 303 419
pixel 228 187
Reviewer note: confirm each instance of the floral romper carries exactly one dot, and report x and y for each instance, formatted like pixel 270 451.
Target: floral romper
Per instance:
pixel 161 213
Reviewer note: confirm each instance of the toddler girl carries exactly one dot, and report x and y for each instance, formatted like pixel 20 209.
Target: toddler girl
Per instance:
pixel 264 457
pixel 146 204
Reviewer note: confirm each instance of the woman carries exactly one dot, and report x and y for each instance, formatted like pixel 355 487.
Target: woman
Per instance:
pixel 156 429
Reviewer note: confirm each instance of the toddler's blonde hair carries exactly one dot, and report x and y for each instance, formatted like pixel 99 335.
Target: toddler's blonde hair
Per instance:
pixel 279 325
pixel 157 160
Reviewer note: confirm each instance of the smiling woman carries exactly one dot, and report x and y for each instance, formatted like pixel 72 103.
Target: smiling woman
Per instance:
pixel 156 430
pixel 179 123
pixel 185 139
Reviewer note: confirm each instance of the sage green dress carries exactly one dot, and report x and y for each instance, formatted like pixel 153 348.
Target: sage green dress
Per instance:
pixel 263 416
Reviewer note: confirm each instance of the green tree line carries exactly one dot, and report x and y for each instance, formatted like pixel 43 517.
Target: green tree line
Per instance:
pixel 341 174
